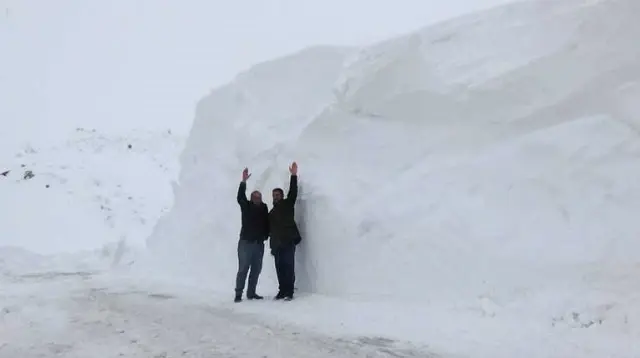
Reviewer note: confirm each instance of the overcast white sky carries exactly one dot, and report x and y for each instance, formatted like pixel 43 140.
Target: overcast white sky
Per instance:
pixel 144 63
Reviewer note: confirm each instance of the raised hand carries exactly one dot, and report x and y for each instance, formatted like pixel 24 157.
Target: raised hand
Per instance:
pixel 293 169
pixel 245 174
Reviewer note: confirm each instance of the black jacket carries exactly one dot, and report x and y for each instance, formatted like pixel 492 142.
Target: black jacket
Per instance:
pixel 255 218
pixel 284 230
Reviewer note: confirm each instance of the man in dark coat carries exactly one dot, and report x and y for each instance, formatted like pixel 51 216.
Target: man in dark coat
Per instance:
pixel 253 234
pixel 285 235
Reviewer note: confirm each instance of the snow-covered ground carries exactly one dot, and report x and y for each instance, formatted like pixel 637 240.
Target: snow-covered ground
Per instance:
pixel 77 314
pixel 468 190
pixel 87 190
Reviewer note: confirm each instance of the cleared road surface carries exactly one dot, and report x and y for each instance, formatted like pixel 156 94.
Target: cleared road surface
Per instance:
pixel 71 315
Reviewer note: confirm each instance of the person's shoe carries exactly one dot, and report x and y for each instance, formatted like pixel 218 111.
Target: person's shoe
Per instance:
pixel 237 299
pixel 255 297
pixel 288 298
pixel 279 296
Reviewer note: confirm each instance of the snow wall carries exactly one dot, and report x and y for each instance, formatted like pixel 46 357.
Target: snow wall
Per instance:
pixel 496 154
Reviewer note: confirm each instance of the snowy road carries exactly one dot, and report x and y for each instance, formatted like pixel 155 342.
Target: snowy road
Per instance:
pixel 73 315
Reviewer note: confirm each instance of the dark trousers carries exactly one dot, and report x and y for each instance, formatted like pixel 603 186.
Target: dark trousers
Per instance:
pixel 284 258
pixel 250 254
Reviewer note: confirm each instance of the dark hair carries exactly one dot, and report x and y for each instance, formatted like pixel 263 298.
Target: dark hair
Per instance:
pixel 279 191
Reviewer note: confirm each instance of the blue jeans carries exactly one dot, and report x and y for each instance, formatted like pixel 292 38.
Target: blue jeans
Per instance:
pixel 284 258
pixel 250 254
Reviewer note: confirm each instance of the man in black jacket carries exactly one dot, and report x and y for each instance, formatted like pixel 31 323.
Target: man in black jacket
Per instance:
pixel 285 235
pixel 253 234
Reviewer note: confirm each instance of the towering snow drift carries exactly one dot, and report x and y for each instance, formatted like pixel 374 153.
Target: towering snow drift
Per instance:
pixel 491 156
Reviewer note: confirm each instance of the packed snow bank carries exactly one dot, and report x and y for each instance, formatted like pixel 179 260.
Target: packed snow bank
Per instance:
pixel 86 192
pixel 490 162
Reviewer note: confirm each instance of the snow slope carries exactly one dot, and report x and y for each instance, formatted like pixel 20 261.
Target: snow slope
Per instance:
pixel 86 192
pixel 485 167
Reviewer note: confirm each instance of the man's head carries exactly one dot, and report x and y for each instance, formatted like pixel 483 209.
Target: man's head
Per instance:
pixel 277 194
pixel 256 197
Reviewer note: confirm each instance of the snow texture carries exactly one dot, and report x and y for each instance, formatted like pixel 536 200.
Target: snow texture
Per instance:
pixel 79 314
pixel 88 191
pixel 476 181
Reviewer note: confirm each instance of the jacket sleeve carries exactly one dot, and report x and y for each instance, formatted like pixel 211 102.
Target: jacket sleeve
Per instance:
pixel 242 194
pixel 267 225
pixel 292 195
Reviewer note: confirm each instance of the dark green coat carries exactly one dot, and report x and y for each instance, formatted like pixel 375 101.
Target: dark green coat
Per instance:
pixel 282 225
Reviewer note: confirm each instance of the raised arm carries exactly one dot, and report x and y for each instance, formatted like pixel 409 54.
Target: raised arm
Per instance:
pixel 242 189
pixel 242 194
pixel 292 195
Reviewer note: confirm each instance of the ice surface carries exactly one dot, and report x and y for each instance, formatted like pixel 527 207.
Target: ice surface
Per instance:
pixel 483 168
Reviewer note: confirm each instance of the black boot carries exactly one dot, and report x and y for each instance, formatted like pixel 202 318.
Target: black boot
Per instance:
pixel 254 297
pixel 279 296
pixel 238 298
